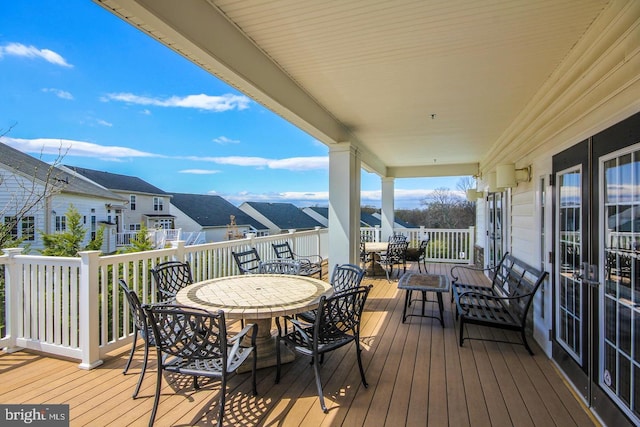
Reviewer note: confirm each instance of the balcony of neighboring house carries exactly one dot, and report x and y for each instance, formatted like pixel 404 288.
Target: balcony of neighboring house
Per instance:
pixel 416 371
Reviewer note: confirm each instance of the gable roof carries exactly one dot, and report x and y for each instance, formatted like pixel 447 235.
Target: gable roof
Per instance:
pixel 59 179
pixel 117 182
pixel 285 215
pixel 212 211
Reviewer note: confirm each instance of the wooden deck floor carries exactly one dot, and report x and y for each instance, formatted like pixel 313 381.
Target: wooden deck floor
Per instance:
pixel 417 374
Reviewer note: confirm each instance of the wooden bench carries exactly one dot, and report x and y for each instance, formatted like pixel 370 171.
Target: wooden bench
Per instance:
pixel 505 304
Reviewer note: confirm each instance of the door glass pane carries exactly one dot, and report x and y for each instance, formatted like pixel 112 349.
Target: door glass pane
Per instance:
pixel 619 298
pixel 569 290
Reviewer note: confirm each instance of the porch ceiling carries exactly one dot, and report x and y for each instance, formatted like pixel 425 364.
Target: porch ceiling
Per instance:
pixel 422 88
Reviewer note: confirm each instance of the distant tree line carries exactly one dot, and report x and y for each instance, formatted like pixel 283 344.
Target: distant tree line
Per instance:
pixel 443 208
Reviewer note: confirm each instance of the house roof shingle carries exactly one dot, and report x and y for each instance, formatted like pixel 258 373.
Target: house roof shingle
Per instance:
pixel 212 211
pixel 117 182
pixel 285 215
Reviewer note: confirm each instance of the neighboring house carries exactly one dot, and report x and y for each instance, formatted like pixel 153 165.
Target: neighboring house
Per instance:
pixel 366 220
pixel 49 191
pixel 212 216
pixel 144 204
pixel 279 217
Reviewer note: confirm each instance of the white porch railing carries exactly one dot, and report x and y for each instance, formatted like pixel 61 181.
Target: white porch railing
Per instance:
pixel 445 245
pixel 73 307
pixel 158 237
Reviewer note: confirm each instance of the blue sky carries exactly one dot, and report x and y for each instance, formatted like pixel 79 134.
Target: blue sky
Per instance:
pixel 77 78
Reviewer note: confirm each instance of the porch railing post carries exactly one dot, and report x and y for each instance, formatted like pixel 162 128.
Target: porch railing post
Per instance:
pixel 318 251
pixel 89 324
pixel 13 301
pixel 178 247
pixel 472 245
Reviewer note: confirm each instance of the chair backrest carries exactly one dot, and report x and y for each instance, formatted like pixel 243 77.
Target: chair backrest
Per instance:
pixel 340 314
pixel 135 308
pixel 422 250
pixel 248 261
pixel 283 250
pixel 279 266
pixel 346 277
pixel 397 250
pixel 170 277
pixel 396 237
pixel 189 333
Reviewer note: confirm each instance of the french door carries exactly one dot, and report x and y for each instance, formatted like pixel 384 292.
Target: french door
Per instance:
pixel 494 229
pixel 596 325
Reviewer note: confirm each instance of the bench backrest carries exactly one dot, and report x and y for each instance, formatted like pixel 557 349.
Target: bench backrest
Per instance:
pixel 515 278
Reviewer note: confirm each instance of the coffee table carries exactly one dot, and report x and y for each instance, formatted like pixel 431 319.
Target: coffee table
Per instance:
pixel 258 298
pixel 423 283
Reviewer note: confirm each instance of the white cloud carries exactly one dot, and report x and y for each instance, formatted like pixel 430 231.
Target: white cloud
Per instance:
pixel 146 112
pixel 292 163
pixel 67 147
pixel 18 49
pixel 104 123
pixel 223 140
pixel 200 171
pixel 203 102
pixel 300 198
pixel 63 94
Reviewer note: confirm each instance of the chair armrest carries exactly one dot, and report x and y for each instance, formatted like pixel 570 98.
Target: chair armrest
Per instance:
pixel 313 259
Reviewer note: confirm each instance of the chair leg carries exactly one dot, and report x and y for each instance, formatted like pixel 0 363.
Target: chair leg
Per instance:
pixel 358 353
pixel 316 369
pixel 157 396
pixel 144 368
pixel 253 371
pixel 524 341
pixel 133 350
pixel 223 396
pixel 278 360
pixel 461 331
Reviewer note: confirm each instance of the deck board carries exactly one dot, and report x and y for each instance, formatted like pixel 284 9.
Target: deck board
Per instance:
pixel 417 375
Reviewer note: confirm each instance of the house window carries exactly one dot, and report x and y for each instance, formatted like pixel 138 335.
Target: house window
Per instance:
pixel 134 227
pixel 132 202
pixel 11 221
pixel 93 227
pixel 61 223
pixel 158 204
pixel 29 228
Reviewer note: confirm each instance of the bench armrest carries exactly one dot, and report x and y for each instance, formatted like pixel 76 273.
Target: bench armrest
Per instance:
pixel 455 277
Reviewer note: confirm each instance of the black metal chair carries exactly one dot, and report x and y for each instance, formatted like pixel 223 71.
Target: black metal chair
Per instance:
pixel 140 326
pixel 345 277
pixel 248 262
pixel 309 264
pixel 194 342
pixel 422 255
pixel 337 324
pixel 170 277
pixel 396 254
pixel 279 266
pixel 397 237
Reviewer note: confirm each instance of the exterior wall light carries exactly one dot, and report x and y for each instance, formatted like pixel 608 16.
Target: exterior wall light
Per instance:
pixel 507 176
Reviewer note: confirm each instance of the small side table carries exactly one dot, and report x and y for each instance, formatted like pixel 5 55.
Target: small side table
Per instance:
pixel 424 283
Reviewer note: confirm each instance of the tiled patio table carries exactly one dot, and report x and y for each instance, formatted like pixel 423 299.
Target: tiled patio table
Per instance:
pixel 423 283
pixel 374 248
pixel 258 298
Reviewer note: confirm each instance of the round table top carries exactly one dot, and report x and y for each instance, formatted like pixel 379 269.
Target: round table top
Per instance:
pixel 376 246
pixel 255 296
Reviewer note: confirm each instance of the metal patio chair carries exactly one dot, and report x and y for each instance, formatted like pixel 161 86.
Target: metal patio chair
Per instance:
pixel 248 261
pixel 194 342
pixel 309 264
pixel 140 326
pixel 336 325
pixel 170 277
pixel 279 266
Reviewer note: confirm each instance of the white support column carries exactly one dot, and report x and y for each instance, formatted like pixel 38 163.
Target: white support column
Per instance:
pixel 344 204
pixel 387 215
